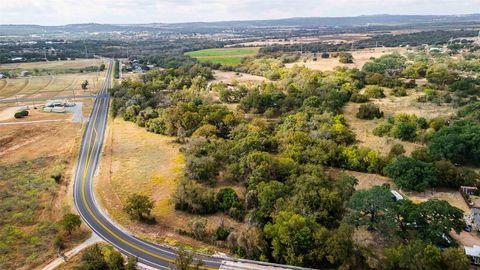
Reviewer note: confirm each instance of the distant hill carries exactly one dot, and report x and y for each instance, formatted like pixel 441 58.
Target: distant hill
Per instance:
pixel 389 20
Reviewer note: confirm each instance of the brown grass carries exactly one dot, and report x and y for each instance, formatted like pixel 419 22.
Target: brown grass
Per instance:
pixel 365 180
pixel 360 57
pixel 78 63
pixel 51 86
pixel 230 77
pixel 390 106
pixel 136 161
pixel 55 144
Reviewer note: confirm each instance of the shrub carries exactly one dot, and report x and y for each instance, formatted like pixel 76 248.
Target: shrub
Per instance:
pixel 405 131
pixel 21 114
pixel 399 92
pixel 369 111
pixel 373 91
pixel 412 174
pixel 138 207
pixel 227 198
pixel 345 58
pixel 382 129
pixel 222 232
pixel 358 98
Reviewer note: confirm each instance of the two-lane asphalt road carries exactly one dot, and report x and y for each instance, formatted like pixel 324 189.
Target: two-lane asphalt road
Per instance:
pixel 90 150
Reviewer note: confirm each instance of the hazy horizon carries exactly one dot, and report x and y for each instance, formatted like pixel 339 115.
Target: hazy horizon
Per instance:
pixel 61 12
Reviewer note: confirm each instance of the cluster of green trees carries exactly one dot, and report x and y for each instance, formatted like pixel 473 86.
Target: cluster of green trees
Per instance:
pixel 409 127
pixel 294 210
pixel 430 221
pixel 106 257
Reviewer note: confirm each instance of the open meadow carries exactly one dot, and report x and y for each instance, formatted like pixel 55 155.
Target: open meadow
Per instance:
pixel 53 66
pixel 224 56
pixel 32 201
pixel 360 57
pixel 50 86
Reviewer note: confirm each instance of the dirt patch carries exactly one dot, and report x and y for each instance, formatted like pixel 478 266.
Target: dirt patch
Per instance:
pixel 466 238
pixel 453 197
pixel 360 57
pixel 365 180
pixel 229 77
pixel 26 142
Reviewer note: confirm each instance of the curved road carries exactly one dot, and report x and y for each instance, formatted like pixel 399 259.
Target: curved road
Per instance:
pixel 150 254
pixel 160 257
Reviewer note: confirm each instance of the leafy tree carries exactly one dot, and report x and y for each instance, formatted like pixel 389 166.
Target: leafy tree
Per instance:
pixel 131 263
pixel 373 91
pixel 85 85
pixel 93 259
pixel 412 174
pixel 227 198
pixel 452 176
pixel 292 236
pixel 345 185
pixel 441 75
pixel 369 206
pixel 459 143
pixel 405 131
pixel 438 218
pixel 345 58
pixel 70 222
pixel 269 194
pixel 138 206
pixel 418 255
pixel 113 258
pixel 314 199
pixel 185 261
pixel 388 62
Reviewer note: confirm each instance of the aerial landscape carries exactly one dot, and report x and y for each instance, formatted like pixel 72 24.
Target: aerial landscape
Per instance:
pixel 239 135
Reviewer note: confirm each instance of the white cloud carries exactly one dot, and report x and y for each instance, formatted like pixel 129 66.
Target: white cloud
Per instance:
pixel 144 11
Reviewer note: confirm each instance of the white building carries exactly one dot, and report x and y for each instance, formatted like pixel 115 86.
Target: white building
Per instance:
pixel 473 253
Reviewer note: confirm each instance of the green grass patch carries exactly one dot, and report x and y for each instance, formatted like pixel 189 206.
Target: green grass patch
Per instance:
pixel 223 56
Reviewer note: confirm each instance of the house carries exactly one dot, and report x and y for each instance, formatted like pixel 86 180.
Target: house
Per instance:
pixel 473 253
pixel 468 190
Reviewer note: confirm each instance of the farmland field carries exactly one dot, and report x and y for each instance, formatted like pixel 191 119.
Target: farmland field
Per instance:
pixel 224 56
pixel 52 65
pixel 50 86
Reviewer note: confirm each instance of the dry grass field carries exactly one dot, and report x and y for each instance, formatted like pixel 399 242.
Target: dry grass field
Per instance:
pixel 360 57
pixel 53 65
pixel 230 77
pixel 150 164
pixel 390 106
pixel 29 155
pixel 50 86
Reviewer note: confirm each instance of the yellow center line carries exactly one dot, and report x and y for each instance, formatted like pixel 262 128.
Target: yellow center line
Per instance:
pixel 87 164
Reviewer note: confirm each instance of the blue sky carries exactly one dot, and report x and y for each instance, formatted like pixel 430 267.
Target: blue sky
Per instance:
pixel 56 12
